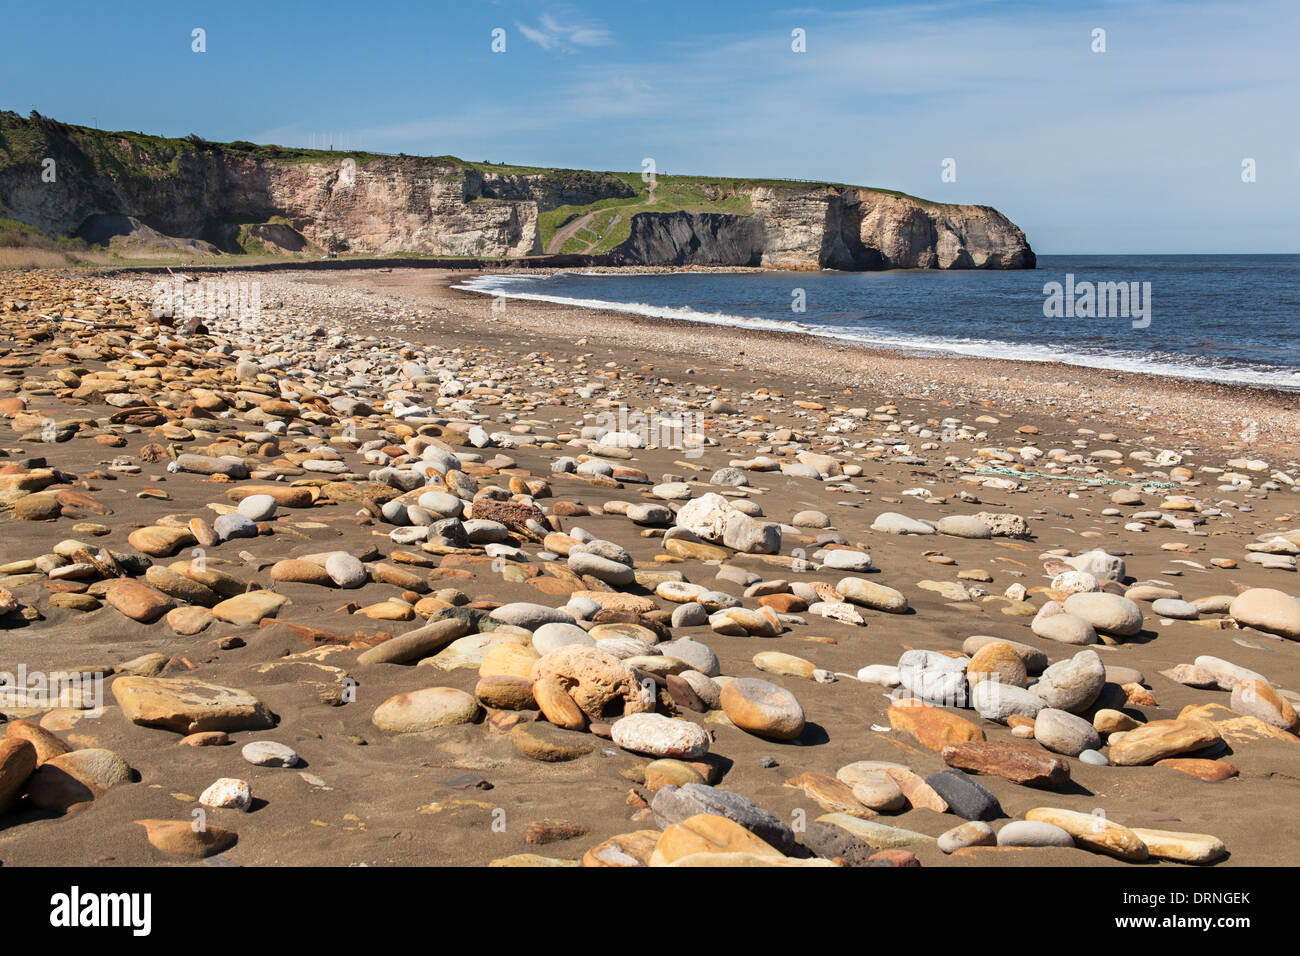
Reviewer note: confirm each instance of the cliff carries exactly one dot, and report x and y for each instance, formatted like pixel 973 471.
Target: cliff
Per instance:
pixel 121 188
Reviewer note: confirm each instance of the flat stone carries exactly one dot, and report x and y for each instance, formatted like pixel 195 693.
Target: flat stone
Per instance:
pixel 1019 762
pixel 550 744
pixel 931 726
pixel 843 559
pixel 1211 771
pixel 188 706
pixel 784 665
pixel 1178 610
pixel 189 620
pixel 1160 739
pixel 208 465
pixel 249 608
pixel 831 794
pixel 1182 847
pixel 623 850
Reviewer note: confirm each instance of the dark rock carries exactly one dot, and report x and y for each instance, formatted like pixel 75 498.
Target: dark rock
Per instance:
pixel 966 797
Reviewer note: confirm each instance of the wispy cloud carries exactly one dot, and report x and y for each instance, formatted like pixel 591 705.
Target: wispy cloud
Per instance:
pixel 551 34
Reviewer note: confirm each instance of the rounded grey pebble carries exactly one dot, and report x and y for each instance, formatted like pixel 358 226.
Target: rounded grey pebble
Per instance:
pixel 268 753
pixel 1033 833
pixel 692 614
pixel 234 525
pixel 1094 758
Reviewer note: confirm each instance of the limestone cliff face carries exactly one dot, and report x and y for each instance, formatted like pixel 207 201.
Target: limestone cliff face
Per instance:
pixel 850 228
pixel 290 200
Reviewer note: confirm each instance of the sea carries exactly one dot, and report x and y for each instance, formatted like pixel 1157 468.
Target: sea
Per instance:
pixel 1223 318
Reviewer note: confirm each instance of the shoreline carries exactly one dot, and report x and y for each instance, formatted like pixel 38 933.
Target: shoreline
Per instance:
pixel 812 336
pixel 1197 414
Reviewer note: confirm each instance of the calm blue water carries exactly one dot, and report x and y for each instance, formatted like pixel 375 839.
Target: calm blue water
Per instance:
pixel 1223 318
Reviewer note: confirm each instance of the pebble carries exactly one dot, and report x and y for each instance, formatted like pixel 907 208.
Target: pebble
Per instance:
pixel 228 793
pixel 1032 833
pixel 972 833
pixel 268 753
pixel 258 507
pixel 660 736
pixel 1064 733
pixel 966 797
pixel 344 569
pixel 1072 684
pixel 427 709
pixel 762 708
pixel 1107 613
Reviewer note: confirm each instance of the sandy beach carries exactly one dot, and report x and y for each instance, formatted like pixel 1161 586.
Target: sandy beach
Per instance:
pixel 1123 490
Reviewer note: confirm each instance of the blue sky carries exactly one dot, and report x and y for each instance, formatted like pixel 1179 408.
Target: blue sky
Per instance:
pixel 1138 149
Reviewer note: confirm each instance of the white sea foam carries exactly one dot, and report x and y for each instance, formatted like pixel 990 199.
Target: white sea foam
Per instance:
pixel 512 286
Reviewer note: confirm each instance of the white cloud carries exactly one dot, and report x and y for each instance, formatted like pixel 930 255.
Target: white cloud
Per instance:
pixel 551 34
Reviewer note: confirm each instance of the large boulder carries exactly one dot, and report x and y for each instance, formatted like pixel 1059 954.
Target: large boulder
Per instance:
pixel 600 684
pixel 1269 610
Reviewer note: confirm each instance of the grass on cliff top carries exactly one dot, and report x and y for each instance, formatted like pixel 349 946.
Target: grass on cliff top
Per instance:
pixel 672 194
pixel 26 140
